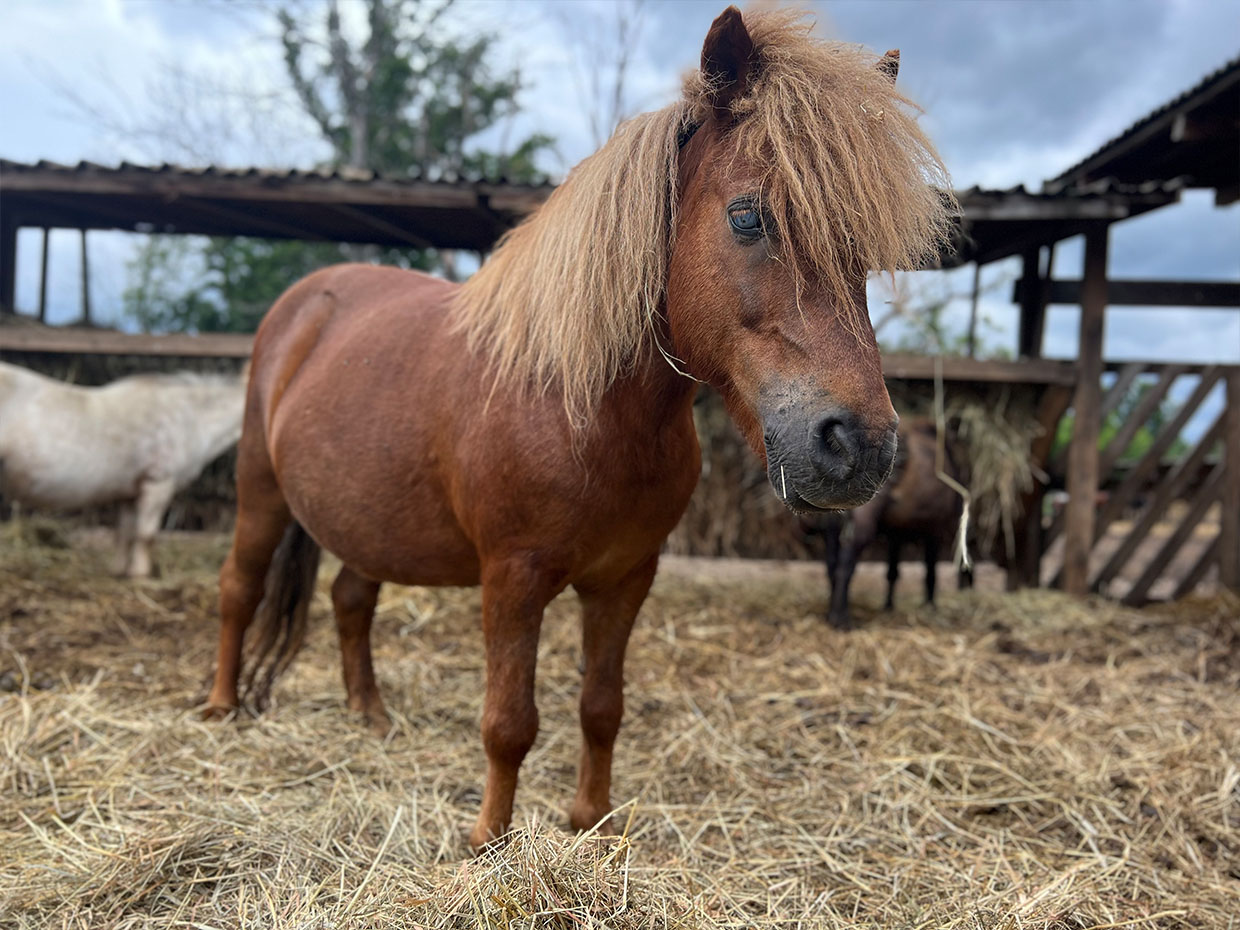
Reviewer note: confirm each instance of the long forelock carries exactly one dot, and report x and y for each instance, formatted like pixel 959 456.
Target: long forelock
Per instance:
pixel 849 180
pixel 571 297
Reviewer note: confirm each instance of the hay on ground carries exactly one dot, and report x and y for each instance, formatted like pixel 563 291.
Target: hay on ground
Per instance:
pixel 1004 763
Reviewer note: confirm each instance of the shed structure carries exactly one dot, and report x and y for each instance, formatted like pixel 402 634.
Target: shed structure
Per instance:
pixel 1190 142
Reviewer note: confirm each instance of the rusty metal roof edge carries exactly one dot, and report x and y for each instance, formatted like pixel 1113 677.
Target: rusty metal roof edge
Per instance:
pixel 345 174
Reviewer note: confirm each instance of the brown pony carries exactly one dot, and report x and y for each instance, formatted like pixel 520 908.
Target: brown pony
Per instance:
pixel 532 428
pixel 913 506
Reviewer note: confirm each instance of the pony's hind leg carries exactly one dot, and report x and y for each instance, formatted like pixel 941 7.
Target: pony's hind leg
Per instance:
pixel 607 620
pixel 126 519
pixel 262 518
pixel 354 598
pixel 153 500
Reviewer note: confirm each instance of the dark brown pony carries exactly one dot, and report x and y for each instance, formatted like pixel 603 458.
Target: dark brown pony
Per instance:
pixel 532 428
pixel 914 506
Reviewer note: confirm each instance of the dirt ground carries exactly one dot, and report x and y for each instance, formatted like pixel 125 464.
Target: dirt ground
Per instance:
pixel 1026 761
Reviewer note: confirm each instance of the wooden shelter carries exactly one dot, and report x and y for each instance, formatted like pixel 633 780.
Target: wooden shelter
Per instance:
pixel 1190 142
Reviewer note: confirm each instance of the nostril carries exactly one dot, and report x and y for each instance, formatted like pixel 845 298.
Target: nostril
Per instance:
pixel 837 441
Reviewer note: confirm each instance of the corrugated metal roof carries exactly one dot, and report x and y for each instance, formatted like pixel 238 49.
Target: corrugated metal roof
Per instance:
pixel 1206 85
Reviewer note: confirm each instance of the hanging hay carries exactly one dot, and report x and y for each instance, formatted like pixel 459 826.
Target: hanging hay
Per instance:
pixel 995 439
pixel 1029 762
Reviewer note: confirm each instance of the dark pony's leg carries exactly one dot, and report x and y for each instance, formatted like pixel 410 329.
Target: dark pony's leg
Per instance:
pixel 262 518
pixel 353 598
pixel 514 594
pixel 932 561
pixel 893 569
pixel 858 533
pixel 607 620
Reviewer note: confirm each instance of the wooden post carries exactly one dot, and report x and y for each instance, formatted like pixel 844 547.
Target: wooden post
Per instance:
pixel 977 283
pixel 86 321
pixel 1087 405
pixel 43 277
pixel 8 262
pixel 1028 303
pixel 1229 530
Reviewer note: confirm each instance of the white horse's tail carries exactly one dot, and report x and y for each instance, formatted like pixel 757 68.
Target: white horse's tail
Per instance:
pixel 279 627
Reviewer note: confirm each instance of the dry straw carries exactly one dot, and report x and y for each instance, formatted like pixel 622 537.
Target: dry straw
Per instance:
pixel 1005 763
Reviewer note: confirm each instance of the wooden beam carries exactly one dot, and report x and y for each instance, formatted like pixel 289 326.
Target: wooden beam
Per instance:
pixel 1136 477
pixel 1083 453
pixel 1169 489
pixel 1202 501
pixel 977 284
pixel 8 260
pixel 1145 408
pixel 1229 530
pixel 85 283
pixel 43 276
pixel 1025 571
pixel 172 185
pixel 1209 555
pixel 388 229
pixel 106 342
pixel 1029 299
pixel 1138 293
pixel 1028 371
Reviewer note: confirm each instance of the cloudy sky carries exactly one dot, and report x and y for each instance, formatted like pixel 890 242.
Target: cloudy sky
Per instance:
pixel 1013 91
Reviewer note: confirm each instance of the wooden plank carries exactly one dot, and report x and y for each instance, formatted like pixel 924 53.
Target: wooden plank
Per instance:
pixel 173 185
pixel 373 222
pixel 1202 501
pixel 106 342
pixel 1110 400
pixel 85 283
pixel 1027 371
pixel 1229 531
pixel 43 275
pixel 1083 453
pixel 1171 488
pixel 1137 418
pixel 1026 569
pixel 1138 293
pixel 1208 557
pixel 8 260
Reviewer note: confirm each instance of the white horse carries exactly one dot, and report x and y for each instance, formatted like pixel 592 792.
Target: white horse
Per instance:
pixel 138 441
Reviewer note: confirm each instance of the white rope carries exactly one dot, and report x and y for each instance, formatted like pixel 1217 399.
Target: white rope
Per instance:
pixel 961 556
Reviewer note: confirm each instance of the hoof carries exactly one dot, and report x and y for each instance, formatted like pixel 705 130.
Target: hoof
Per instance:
pixel 585 821
pixel 841 622
pixel 217 712
pixel 482 836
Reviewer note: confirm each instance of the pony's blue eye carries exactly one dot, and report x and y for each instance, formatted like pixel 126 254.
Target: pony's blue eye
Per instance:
pixel 744 220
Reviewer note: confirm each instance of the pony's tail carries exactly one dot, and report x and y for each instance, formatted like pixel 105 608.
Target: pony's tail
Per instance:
pixel 279 626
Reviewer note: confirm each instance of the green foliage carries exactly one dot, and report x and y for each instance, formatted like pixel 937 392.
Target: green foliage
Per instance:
pixel 407 100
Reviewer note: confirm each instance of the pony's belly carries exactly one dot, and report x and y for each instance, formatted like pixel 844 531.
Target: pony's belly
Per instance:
pixel 407 537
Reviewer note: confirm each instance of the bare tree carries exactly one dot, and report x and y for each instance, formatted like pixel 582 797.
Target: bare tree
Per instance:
pixel 602 54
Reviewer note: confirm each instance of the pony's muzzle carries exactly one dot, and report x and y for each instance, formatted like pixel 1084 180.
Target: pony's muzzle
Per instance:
pixel 827 460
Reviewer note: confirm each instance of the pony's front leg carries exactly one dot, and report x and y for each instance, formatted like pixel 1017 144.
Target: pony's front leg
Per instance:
pixel 607 620
pixel 153 500
pixel 514 594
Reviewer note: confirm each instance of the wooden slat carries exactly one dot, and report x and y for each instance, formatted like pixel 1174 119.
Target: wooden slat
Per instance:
pixel 1110 400
pixel 1140 472
pixel 1137 418
pixel 1208 557
pixel 1168 490
pixel 106 342
pixel 1229 531
pixel 1202 501
pixel 1083 452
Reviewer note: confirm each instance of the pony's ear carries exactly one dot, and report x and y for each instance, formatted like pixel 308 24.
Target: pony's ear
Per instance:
pixel 727 58
pixel 889 64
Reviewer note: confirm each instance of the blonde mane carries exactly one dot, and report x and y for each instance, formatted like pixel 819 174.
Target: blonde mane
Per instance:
pixel 571 297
